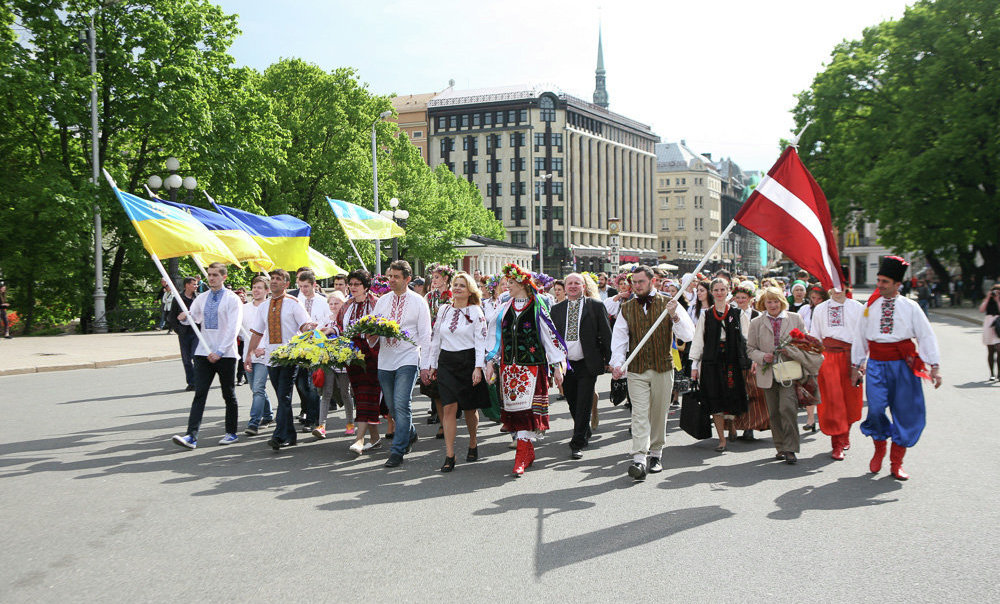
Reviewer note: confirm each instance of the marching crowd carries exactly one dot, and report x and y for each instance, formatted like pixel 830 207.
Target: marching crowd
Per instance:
pixel 741 355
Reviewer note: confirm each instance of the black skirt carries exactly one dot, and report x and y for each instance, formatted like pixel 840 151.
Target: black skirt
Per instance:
pixel 722 386
pixel 454 380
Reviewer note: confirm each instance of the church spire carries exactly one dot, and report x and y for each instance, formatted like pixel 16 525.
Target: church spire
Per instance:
pixel 600 92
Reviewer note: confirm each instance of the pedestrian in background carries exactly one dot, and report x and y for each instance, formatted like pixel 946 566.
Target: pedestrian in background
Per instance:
pixel 260 409
pixel 4 305
pixel 991 307
pixel 186 338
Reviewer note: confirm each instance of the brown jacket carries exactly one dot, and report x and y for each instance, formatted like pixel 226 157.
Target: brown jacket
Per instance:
pixel 760 341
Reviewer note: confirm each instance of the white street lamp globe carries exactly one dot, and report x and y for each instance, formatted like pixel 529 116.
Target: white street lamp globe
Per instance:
pixel 173 181
pixel 190 183
pixel 402 214
pixel 154 182
pixel 386 214
pixel 173 164
pixel 393 202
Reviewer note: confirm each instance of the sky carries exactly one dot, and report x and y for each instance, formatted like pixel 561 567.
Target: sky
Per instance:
pixel 723 75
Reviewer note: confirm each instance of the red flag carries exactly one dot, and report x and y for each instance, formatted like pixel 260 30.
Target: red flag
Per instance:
pixel 789 211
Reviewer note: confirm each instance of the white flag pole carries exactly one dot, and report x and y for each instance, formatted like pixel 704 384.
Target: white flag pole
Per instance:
pixel 684 286
pixel 349 240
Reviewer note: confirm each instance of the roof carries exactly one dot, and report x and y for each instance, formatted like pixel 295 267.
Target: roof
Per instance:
pixel 678 157
pixel 480 241
pixel 410 102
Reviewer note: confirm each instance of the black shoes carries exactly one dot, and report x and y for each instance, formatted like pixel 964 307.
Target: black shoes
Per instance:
pixel 637 471
pixel 394 461
pixel 790 458
pixel 654 465
pixel 748 435
pixel 276 444
pixel 449 464
pixel 809 427
pixel 473 454
pixel 190 388
pixel 576 454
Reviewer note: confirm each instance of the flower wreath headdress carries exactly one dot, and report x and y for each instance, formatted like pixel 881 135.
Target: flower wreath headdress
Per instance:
pixel 516 273
pixel 444 270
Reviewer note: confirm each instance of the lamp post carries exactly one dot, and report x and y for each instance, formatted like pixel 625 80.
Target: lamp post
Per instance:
pixel 399 216
pixel 543 180
pixel 173 184
pixel 378 251
pixel 100 318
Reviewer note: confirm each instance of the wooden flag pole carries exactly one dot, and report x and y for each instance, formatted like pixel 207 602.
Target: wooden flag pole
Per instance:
pixel 684 285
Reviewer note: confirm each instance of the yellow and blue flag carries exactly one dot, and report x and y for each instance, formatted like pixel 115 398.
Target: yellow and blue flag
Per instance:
pixel 168 232
pixel 360 223
pixel 284 238
pixel 244 248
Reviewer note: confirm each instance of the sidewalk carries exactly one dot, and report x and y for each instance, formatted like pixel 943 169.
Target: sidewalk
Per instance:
pixel 90 351
pixel 966 312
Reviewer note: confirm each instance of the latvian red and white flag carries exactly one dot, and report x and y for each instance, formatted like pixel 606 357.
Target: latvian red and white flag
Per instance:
pixel 789 211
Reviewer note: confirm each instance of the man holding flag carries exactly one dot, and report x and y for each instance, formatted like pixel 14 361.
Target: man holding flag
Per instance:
pixel 894 367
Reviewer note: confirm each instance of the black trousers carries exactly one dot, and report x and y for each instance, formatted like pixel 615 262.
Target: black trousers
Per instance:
pixel 204 375
pixel 578 386
pixel 282 380
pixel 308 396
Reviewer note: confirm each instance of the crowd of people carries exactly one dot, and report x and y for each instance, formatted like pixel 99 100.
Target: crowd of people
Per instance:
pixel 497 345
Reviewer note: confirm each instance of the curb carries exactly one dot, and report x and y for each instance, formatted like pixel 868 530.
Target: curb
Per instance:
pixel 92 365
pixel 958 316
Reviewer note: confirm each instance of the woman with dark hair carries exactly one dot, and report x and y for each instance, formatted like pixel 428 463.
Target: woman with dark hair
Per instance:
pixel 991 306
pixel 525 345
pixel 718 358
pixel 439 295
pixel 368 404
pixel 702 300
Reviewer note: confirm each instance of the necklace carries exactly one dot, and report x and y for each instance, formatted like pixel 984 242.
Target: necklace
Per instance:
pixel 716 314
pixel 520 304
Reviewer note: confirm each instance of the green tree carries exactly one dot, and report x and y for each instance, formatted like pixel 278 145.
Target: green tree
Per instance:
pixel 905 124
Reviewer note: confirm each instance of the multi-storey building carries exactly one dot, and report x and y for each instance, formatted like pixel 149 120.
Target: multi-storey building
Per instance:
pixel 411 115
pixel 553 168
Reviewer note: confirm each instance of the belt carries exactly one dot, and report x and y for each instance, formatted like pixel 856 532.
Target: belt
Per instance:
pixel 904 350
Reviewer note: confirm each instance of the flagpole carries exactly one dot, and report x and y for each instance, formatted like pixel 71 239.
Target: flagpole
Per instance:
pixel 351 241
pixel 684 285
pixel 194 258
pixel 180 300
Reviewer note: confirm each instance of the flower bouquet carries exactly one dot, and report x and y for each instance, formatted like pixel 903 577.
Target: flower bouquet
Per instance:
pixel 372 325
pixel 316 350
pixel 380 285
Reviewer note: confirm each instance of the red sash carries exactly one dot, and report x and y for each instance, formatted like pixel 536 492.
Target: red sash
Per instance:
pixel 835 345
pixel 904 350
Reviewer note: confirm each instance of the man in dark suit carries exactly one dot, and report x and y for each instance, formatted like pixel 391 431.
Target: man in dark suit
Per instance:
pixel 583 324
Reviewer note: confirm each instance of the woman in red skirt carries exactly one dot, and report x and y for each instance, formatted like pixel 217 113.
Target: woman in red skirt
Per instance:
pixel 756 417
pixel 527 347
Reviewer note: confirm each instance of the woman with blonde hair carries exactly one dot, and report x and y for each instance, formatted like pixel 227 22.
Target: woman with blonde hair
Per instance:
pixel 456 361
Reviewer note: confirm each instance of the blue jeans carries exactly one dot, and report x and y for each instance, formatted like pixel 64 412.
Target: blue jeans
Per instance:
pixel 282 380
pixel 307 395
pixel 397 388
pixel 260 409
pixel 924 305
pixel 188 343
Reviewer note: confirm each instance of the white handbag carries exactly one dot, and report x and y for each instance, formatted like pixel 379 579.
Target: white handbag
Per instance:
pixel 787 372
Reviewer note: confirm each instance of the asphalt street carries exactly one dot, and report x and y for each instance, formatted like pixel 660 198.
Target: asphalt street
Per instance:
pixel 98 504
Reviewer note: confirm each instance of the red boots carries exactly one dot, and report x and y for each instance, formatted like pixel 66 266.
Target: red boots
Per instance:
pixel 876 463
pixel 896 462
pixel 524 457
pixel 838 447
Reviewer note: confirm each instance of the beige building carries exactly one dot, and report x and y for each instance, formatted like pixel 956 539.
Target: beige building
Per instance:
pixel 688 206
pixel 411 116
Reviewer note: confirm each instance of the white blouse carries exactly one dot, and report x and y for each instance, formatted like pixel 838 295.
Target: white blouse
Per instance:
pixel 455 330
pixel 905 322
pixel 830 319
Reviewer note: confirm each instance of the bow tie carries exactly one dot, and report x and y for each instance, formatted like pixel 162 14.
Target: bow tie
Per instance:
pixel 645 300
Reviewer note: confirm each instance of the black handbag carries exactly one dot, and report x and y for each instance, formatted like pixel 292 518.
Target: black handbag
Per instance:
pixel 695 420
pixel 996 326
pixel 619 391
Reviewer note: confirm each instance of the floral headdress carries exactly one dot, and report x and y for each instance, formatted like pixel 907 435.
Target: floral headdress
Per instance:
pixel 380 285
pixel 516 273
pixel 543 280
pixel 492 282
pixel 444 270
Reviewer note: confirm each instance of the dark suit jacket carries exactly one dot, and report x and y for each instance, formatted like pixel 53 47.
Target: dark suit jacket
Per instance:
pixel 595 333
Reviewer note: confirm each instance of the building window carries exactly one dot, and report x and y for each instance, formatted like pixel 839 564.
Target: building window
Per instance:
pixel 488 118
pixel 517 188
pixel 522 116
pixel 465 120
pixel 471 142
pixel 498 212
pixel 494 190
pixel 699 201
pixel 451 166
pixel 539 140
pixel 499 118
pixel 475 120
pixel 557 141
pixel 548 109
pixel 557 189
pixel 682 245
pixel 680 224
pixel 493 165
pixel 699 245
pixel 516 139
pixel 511 117
pixel 680 202
pixel 668 245
pixel 447 144
pixel 557 165
pixel 539 165
pixel 453 122
pixel 417 134
pixel 493 142
pixel 442 122
pixel 558 239
pixel 558 214
pixel 517 163
pixel 519 238
pixel 467 166
pixel 664 224
pixel 517 213
pixel 663 203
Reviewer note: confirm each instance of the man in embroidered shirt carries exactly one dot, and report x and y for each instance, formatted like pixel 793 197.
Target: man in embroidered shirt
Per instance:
pixel 276 323
pixel 220 313
pixel 584 326
pixel 398 360
pixel 650 376
pixel 318 310
pixel 885 336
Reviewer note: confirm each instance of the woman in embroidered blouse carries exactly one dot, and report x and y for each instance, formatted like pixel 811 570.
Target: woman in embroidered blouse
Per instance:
pixel 528 349
pixel 364 380
pixel 456 362
pixel 718 358
pixel 756 417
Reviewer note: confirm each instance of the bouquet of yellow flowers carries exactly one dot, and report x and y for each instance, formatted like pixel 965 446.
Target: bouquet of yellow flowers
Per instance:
pixel 317 350
pixel 371 325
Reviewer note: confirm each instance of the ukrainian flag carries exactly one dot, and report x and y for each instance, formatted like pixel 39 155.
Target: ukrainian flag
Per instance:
pixel 360 223
pixel 168 232
pixel 240 242
pixel 285 239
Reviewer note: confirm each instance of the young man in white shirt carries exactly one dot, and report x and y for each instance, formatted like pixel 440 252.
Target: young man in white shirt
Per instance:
pixel 319 313
pixel 220 313
pixel 398 360
pixel 277 322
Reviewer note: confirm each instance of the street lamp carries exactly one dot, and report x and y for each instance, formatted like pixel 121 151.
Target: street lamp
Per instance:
pixel 543 180
pixel 378 252
pixel 173 183
pixel 399 217
pixel 100 318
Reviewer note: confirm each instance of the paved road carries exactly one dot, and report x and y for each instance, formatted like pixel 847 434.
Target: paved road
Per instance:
pixel 98 505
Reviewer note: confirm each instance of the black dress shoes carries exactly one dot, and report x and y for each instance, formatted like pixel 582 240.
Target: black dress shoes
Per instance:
pixel 654 465
pixel 394 461
pixel 637 471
